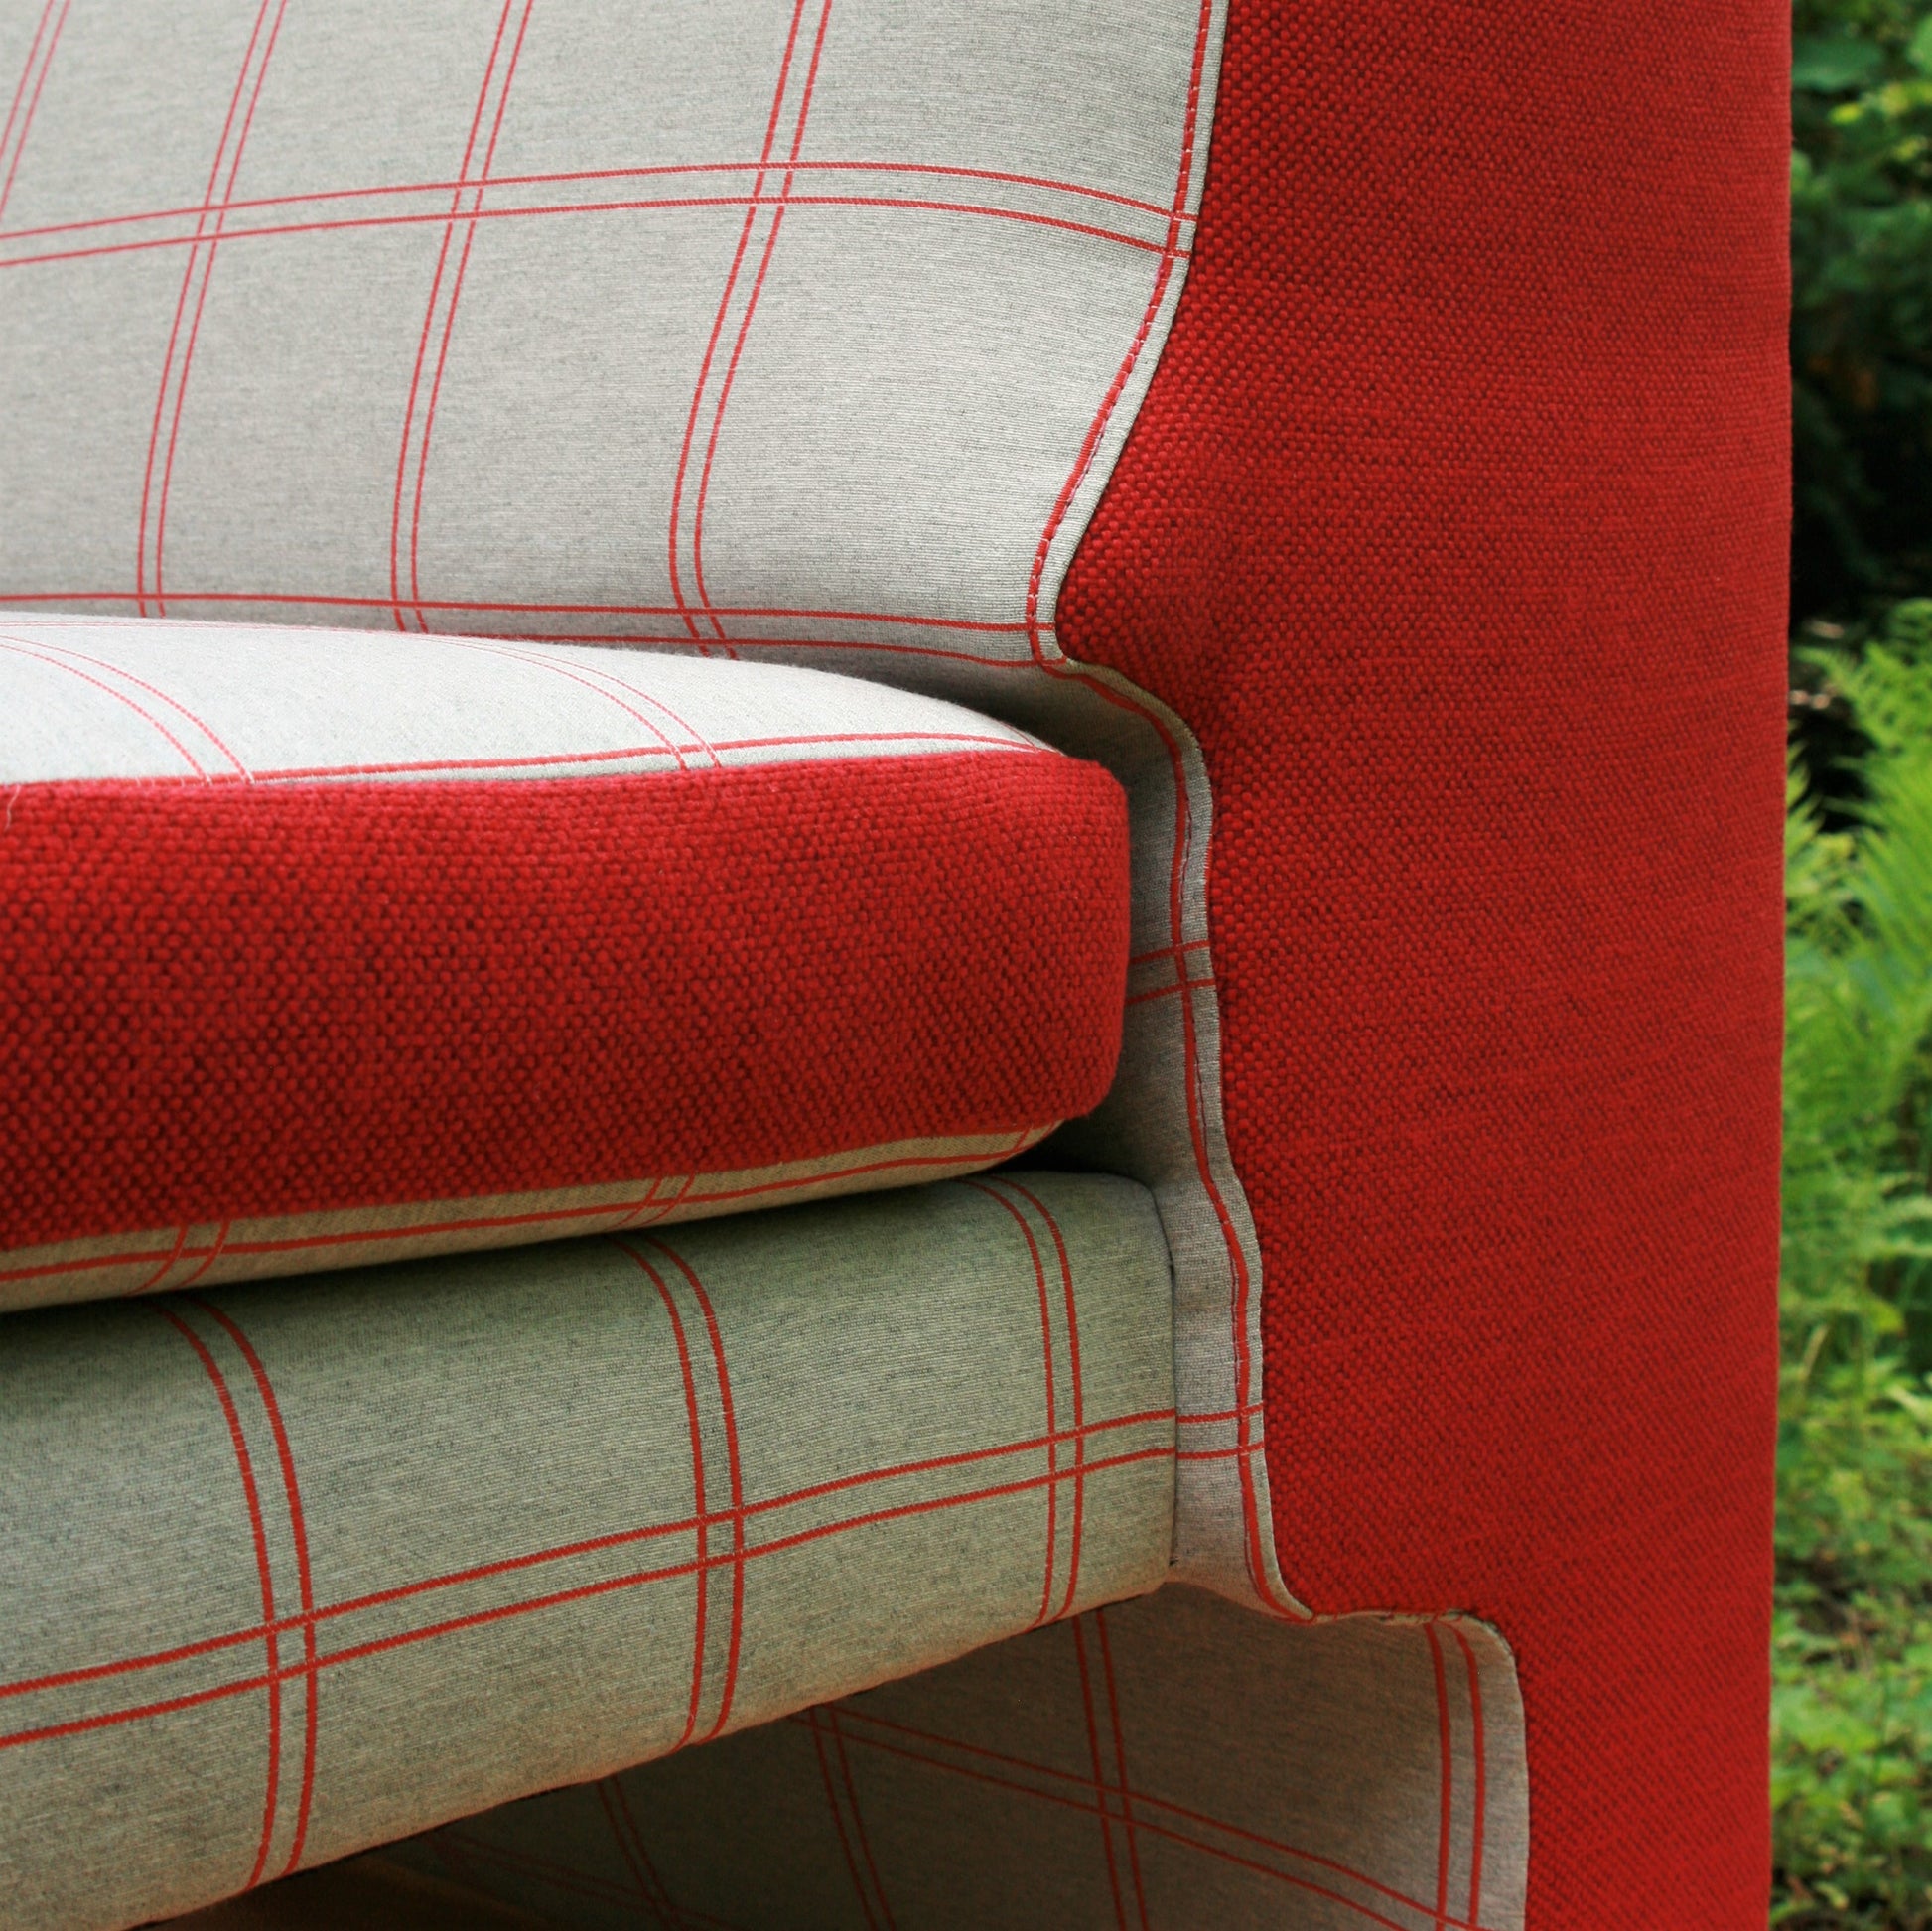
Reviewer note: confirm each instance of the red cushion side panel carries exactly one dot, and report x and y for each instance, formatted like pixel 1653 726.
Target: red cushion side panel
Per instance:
pixel 1455 525
pixel 240 1001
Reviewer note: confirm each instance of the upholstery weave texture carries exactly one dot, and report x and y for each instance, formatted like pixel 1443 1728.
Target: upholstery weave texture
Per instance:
pixel 289 979
pixel 1169 1764
pixel 301 1572
pixel 1455 524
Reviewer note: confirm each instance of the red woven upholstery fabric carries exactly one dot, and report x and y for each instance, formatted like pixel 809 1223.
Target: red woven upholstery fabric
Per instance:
pixel 246 1001
pixel 1455 525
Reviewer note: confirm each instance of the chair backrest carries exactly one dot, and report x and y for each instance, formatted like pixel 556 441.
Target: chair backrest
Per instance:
pixel 706 322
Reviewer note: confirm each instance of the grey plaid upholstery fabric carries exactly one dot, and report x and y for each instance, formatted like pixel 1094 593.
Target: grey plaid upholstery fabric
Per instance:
pixel 1167 1764
pixel 291 1573
pixel 87 699
pixel 570 316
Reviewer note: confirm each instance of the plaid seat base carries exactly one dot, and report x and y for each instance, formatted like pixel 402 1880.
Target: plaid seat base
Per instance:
pixel 302 1573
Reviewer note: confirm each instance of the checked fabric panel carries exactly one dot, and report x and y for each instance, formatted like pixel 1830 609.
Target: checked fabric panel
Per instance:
pixel 775 328
pixel 327 947
pixel 301 1571
pixel 1164 1764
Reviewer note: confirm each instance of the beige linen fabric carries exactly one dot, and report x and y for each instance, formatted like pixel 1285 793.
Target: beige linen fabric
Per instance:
pixel 209 1253
pixel 1168 1765
pixel 130 698
pixel 289 1574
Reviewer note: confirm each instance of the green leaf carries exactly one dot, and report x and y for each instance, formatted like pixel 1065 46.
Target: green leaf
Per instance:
pixel 1832 63
pixel 1919 50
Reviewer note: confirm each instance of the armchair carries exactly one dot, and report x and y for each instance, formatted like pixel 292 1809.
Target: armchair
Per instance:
pixel 1325 1481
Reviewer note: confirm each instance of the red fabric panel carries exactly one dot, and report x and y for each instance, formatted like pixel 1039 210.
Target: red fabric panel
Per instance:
pixel 1455 525
pixel 222 1003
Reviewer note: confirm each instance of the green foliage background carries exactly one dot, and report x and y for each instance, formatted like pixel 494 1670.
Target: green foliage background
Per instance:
pixel 1852 1738
pixel 1862 304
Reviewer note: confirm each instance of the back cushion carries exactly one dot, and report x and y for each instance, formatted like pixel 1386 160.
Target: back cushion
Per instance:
pixel 695 321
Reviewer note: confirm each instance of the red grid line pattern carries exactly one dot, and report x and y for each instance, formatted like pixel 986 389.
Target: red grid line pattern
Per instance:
pixel 623 1538
pixel 841 1796
pixel 299 1535
pixel 999 1198
pixel 1117 1722
pixel 199 265
pixel 1445 1775
pixel 214 1254
pixel 1079 1381
pixel 1478 1753
pixel 1199 1418
pixel 739 645
pixel 259 1534
pixel 460 1851
pixel 1168 992
pixel 718 321
pixel 11 148
pixel 457 191
pixel 1088 1794
pixel 448 313
pixel 1100 1786
pixel 734 1472
pixel 551 1217
pixel 545 761
pixel 751 301
pixel 998 1190
pixel 21 649
pixel 1175 951
pixel 700 1499
pixel 509 1611
pixel 557 177
pixel 637 204
pixel 603 681
pixel 814 1722
pixel 152 1280
pixel 830 1716
pixel 1169 254
pixel 1094 1806
pixel 630 1840
pixel 36 645
pixel 456 1846
pixel 460 607
pixel 733 1466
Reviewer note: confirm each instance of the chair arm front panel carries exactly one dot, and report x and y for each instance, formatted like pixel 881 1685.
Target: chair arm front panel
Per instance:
pixel 1455 525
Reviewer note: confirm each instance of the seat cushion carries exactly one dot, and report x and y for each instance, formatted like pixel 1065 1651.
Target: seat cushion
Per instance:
pixel 320 948
pixel 296 1573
